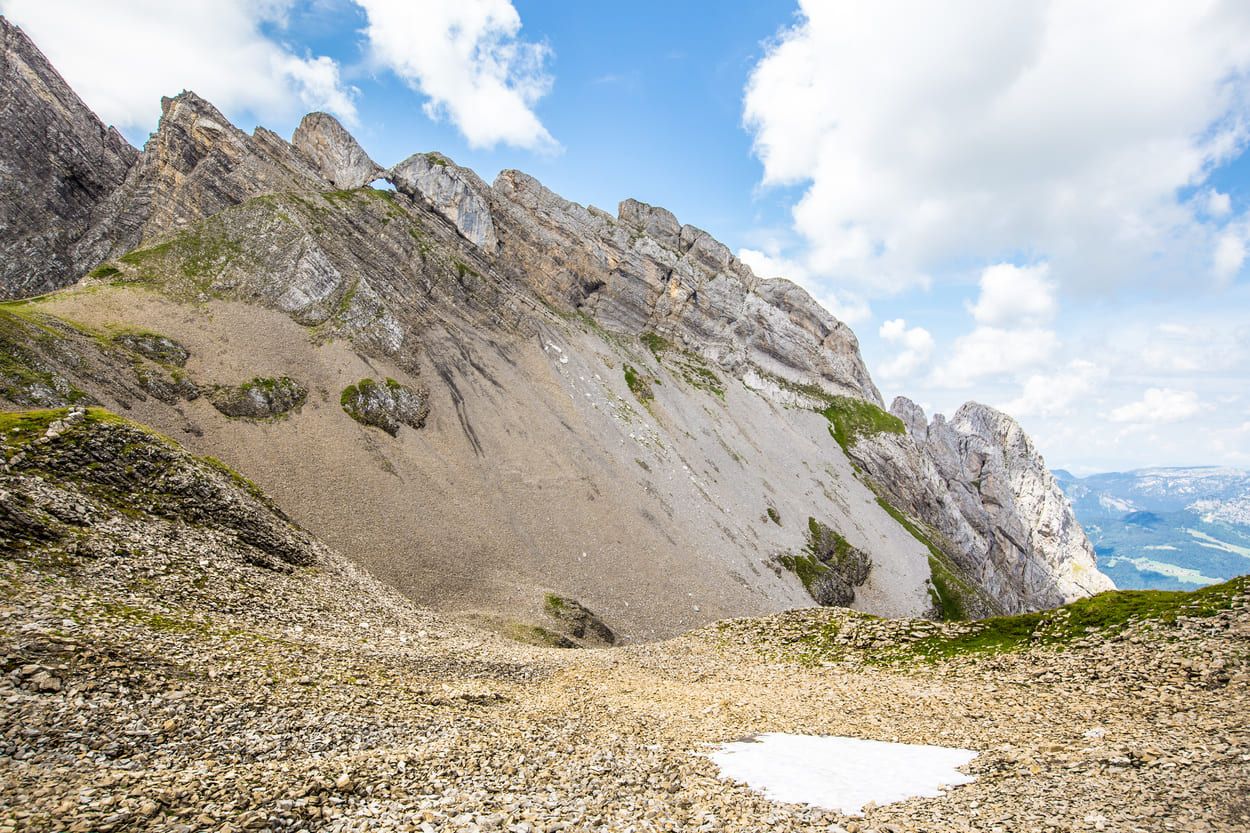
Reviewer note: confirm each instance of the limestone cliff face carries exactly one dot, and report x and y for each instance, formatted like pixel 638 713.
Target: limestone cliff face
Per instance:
pixel 644 271
pixel 335 152
pixel 1036 539
pixel 455 192
pixel 58 162
pixel 980 484
pixel 195 165
pixel 619 409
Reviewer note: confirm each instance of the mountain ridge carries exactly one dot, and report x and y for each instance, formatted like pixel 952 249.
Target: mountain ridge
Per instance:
pixel 1167 527
pixel 668 398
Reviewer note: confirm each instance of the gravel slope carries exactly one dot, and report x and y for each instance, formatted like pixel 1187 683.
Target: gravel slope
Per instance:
pixel 158 677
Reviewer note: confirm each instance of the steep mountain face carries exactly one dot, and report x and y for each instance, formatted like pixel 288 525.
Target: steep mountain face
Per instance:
pixel 58 163
pixel 612 409
pixel 1166 528
pixel 990 502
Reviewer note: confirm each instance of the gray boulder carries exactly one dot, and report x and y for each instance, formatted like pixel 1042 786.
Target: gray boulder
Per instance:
pixel 386 405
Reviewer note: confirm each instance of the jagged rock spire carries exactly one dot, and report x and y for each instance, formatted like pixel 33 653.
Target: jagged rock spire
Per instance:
pixel 335 152
pixel 59 162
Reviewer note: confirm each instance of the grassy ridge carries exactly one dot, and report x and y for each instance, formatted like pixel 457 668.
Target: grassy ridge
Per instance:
pixel 851 419
pixel 1104 615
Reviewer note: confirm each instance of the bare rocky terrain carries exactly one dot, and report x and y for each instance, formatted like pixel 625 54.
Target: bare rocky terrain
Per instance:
pixel 341 497
pixel 172 668
pixel 486 394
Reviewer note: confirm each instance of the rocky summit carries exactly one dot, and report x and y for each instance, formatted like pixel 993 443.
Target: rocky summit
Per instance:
pixel 316 475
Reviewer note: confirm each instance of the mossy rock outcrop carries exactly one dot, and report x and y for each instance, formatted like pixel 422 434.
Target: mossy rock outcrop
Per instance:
pixel 829 567
pixel 259 398
pixel 66 470
pixel 154 346
pixel 386 405
pixel 29 374
pixel 577 622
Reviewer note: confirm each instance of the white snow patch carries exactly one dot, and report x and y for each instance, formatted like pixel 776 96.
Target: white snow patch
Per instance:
pixel 1205 540
pixel 1115 504
pixel 1183 574
pixel 837 773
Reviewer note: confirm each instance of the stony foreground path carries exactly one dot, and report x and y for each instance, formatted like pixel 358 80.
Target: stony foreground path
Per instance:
pixel 316 701
pixel 176 655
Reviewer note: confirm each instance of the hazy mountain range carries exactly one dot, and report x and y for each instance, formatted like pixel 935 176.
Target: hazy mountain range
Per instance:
pixel 1165 528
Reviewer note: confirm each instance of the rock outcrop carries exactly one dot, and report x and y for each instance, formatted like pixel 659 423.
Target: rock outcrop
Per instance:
pixel 335 152
pixel 1036 538
pixel 643 271
pixel 58 163
pixel 74 467
pixel 454 192
pixel 194 166
pixel 979 483
pixel 46 361
pixel 386 405
pixel 259 398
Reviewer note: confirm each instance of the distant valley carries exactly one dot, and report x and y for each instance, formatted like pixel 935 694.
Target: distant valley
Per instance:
pixel 1165 528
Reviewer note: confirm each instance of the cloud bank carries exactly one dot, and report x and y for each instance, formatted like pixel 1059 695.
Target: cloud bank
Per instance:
pixel 122 58
pixel 932 134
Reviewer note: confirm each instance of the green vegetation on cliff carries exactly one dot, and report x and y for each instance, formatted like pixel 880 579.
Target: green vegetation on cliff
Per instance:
pixel 850 420
pixel 829 567
pixel 1105 616
pixel 693 369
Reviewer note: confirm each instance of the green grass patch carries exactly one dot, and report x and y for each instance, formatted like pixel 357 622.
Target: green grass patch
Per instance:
pixel 951 594
pixel 774 515
pixel 535 635
pixel 826 551
pixel 1103 616
pixel 18 428
pixel 26 378
pixel 190 262
pixel 21 427
pixel 1106 614
pixel 638 385
pixel 850 420
pixel 690 366
pixel 656 343
pixel 238 479
pixel 104 270
pixel 555 605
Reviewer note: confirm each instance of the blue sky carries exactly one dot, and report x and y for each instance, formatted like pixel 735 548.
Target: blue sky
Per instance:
pixel 1033 205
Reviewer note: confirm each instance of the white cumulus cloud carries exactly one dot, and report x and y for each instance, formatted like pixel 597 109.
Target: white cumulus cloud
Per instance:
pixel 1012 335
pixel 1054 394
pixel 1218 204
pixel 1159 406
pixel 916 346
pixel 932 133
pixel 1230 253
pixel 121 57
pixel 993 351
pixel 467 58
pixel 1014 295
